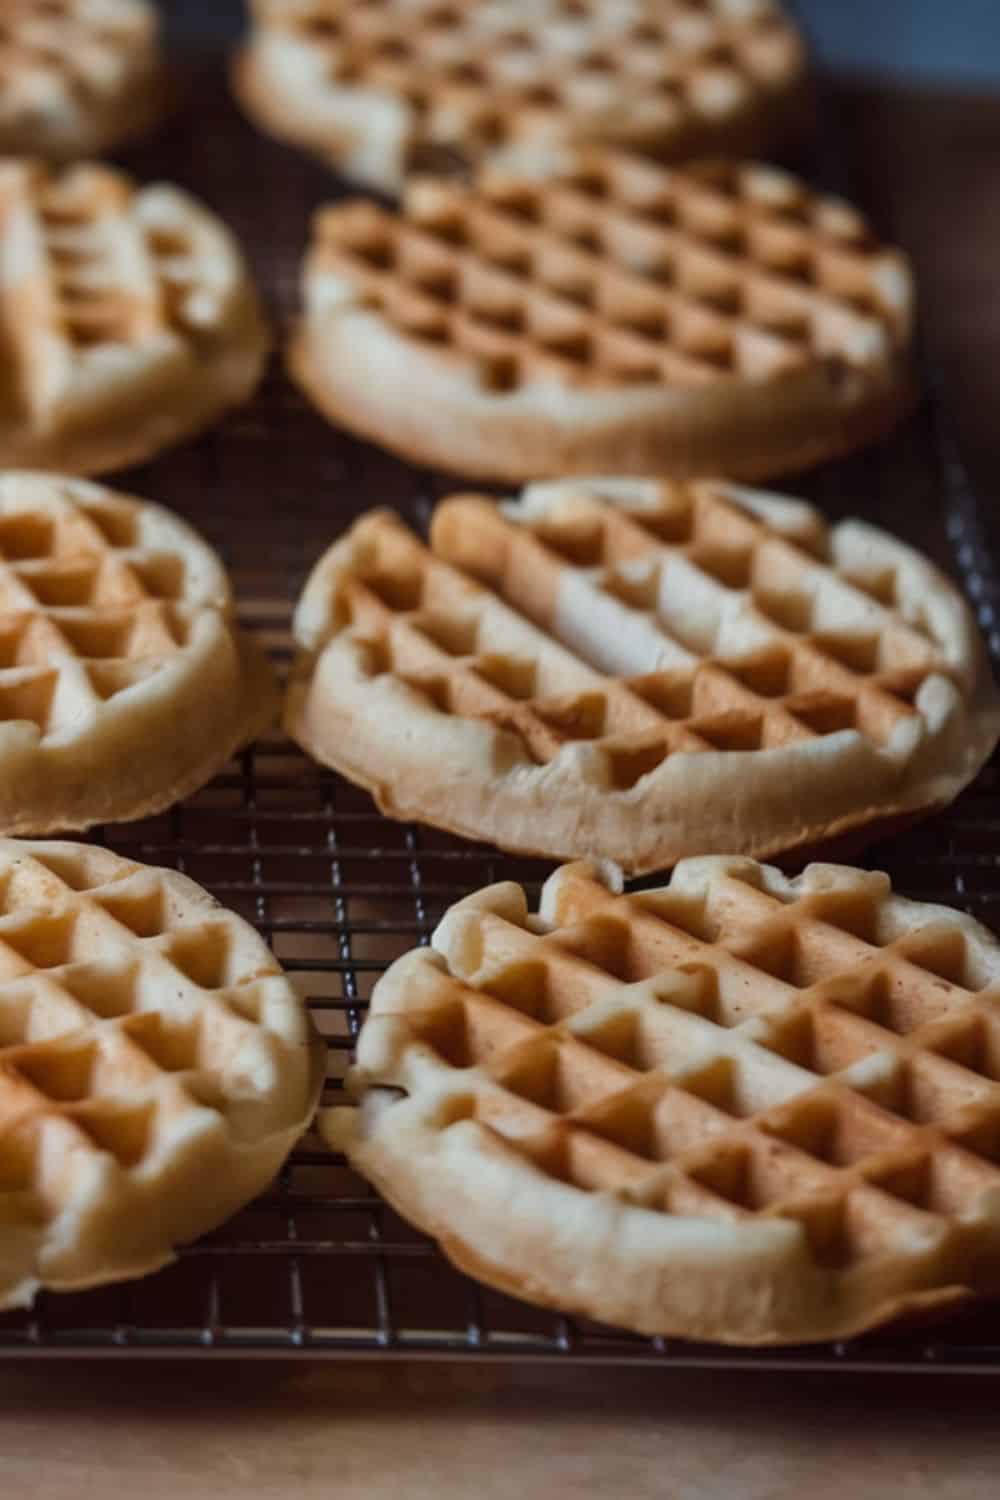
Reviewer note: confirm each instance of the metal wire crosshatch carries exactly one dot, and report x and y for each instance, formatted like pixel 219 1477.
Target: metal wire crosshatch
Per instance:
pixel 319 1266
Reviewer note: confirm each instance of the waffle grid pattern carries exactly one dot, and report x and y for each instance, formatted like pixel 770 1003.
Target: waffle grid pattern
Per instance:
pixel 108 269
pixel 86 611
pixel 481 75
pixel 739 1053
pixel 92 1058
pixel 666 580
pixel 340 891
pixel 72 41
pixel 618 272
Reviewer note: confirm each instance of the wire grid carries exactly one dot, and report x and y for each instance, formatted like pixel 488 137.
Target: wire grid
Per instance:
pixel 319 1265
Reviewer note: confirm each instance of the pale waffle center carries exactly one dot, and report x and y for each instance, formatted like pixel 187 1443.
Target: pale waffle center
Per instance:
pixel 618 272
pixel 131 1015
pixel 634 633
pixel 729 1052
pixel 480 75
pixel 88 610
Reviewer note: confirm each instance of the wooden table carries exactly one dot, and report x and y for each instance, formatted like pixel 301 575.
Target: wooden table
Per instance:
pixel 82 1432
pixel 76 1431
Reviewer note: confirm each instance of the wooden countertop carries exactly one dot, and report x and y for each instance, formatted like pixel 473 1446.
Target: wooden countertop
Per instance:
pixel 80 1432
pixel 266 1430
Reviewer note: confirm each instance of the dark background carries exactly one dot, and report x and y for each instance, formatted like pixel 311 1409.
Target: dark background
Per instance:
pixel 955 41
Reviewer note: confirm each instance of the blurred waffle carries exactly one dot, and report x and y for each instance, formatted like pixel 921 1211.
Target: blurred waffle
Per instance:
pixel 125 682
pixel 740 1107
pixel 76 76
pixel 385 87
pixel 127 319
pixel 582 311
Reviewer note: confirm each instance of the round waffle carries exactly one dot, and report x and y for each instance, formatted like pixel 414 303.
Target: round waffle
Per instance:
pixel 76 76
pixel 582 312
pixel 156 1066
pixel 740 1107
pixel 640 671
pixel 124 681
pixel 127 319
pixel 380 89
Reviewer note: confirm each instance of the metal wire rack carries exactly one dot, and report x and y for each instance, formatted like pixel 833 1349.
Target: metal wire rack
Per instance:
pixel 319 1266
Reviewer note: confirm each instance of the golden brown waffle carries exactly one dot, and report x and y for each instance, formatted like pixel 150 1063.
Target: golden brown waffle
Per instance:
pixel 587 312
pixel 125 682
pixel 640 671
pixel 380 88
pixel 127 319
pixel 740 1107
pixel 156 1066
pixel 76 76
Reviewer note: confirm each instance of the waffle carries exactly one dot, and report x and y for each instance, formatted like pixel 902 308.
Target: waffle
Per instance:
pixel 640 671
pixel 586 312
pixel 124 680
pixel 740 1107
pixel 156 1066
pixel 76 76
pixel 379 89
pixel 127 320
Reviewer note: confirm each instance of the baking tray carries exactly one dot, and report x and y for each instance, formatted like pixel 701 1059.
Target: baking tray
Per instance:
pixel 319 1266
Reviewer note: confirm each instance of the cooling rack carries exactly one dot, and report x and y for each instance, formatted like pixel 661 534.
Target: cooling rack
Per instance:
pixel 319 1266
